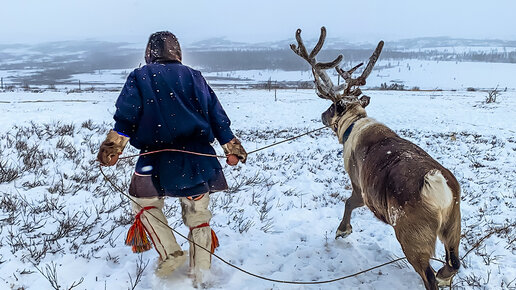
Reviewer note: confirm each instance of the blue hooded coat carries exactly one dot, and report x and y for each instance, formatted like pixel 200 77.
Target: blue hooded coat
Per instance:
pixel 166 104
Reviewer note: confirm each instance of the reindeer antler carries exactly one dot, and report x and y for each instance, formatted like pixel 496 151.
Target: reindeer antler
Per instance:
pixel 361 80
pixel 323 83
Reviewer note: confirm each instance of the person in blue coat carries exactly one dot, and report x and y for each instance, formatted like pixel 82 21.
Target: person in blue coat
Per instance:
pixel 168 105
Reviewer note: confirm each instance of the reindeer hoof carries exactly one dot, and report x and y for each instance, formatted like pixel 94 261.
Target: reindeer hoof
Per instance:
pixel 444 276
pixel 443 282
pixel 343 234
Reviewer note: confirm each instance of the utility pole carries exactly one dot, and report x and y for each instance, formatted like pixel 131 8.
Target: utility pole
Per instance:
pixel 79 85
pixel 275 90
pixel 2 82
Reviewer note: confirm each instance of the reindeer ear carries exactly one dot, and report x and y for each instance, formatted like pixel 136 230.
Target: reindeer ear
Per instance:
pixel 364 101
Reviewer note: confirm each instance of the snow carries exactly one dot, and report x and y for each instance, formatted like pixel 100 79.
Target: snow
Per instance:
pixel 464 49
pixel 280 216
pixel 424 74
pixel 446 75
pixel 115 76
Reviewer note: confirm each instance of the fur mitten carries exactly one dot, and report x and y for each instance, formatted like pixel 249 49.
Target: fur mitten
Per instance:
pixel 111 148
pixel 234 147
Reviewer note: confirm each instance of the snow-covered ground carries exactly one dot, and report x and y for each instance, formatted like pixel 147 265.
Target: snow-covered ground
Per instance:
pixel 113 76
pixel 424 74
pixel 280 215
pixel 464 49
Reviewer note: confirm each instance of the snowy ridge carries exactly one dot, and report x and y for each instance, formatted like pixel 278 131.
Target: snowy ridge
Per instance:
pixel 96 63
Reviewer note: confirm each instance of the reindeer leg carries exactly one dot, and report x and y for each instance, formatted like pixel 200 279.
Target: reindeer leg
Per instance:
pixel 450 236
pixel 417 237
pixel 351 203
pixel 445 274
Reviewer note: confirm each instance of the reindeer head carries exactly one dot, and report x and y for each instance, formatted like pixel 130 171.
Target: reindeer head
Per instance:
pixel 344 96
pixel 341 108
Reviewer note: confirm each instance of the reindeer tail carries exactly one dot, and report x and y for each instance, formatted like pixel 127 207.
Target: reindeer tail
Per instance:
pixel 436 193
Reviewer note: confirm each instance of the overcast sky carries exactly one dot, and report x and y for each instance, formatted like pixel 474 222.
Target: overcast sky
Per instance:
pixel 29 21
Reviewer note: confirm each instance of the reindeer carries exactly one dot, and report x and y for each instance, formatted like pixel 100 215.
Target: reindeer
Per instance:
pixel 400 183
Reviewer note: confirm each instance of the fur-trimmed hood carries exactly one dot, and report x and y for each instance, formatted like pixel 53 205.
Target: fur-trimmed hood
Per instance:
pixel 163 46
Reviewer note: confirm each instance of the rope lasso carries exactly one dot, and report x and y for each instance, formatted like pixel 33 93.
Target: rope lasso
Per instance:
pixel 239 268
pixel 217 256
pixel 289 139
pixel 223 156
pixel 243 270
pixel 173 150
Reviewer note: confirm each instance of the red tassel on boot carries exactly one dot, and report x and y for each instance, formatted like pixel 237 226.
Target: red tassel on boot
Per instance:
pixel 136 236
pixel 214 239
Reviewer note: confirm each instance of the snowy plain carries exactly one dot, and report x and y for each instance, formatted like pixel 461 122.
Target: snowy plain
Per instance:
pixel 424 74
pixel 445 75
pixel 280 215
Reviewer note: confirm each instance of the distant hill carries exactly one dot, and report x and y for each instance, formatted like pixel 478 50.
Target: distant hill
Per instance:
pixel 435 42
pixel 335 43
pixel 55 62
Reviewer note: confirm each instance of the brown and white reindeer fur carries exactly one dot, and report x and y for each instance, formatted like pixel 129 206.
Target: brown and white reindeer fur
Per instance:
pixel 403 186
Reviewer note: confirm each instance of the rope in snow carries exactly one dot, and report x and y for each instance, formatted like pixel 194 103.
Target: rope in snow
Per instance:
pixel 241 269
pixel 237 267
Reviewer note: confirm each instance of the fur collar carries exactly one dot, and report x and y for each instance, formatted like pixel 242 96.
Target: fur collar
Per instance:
pixel 346 121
